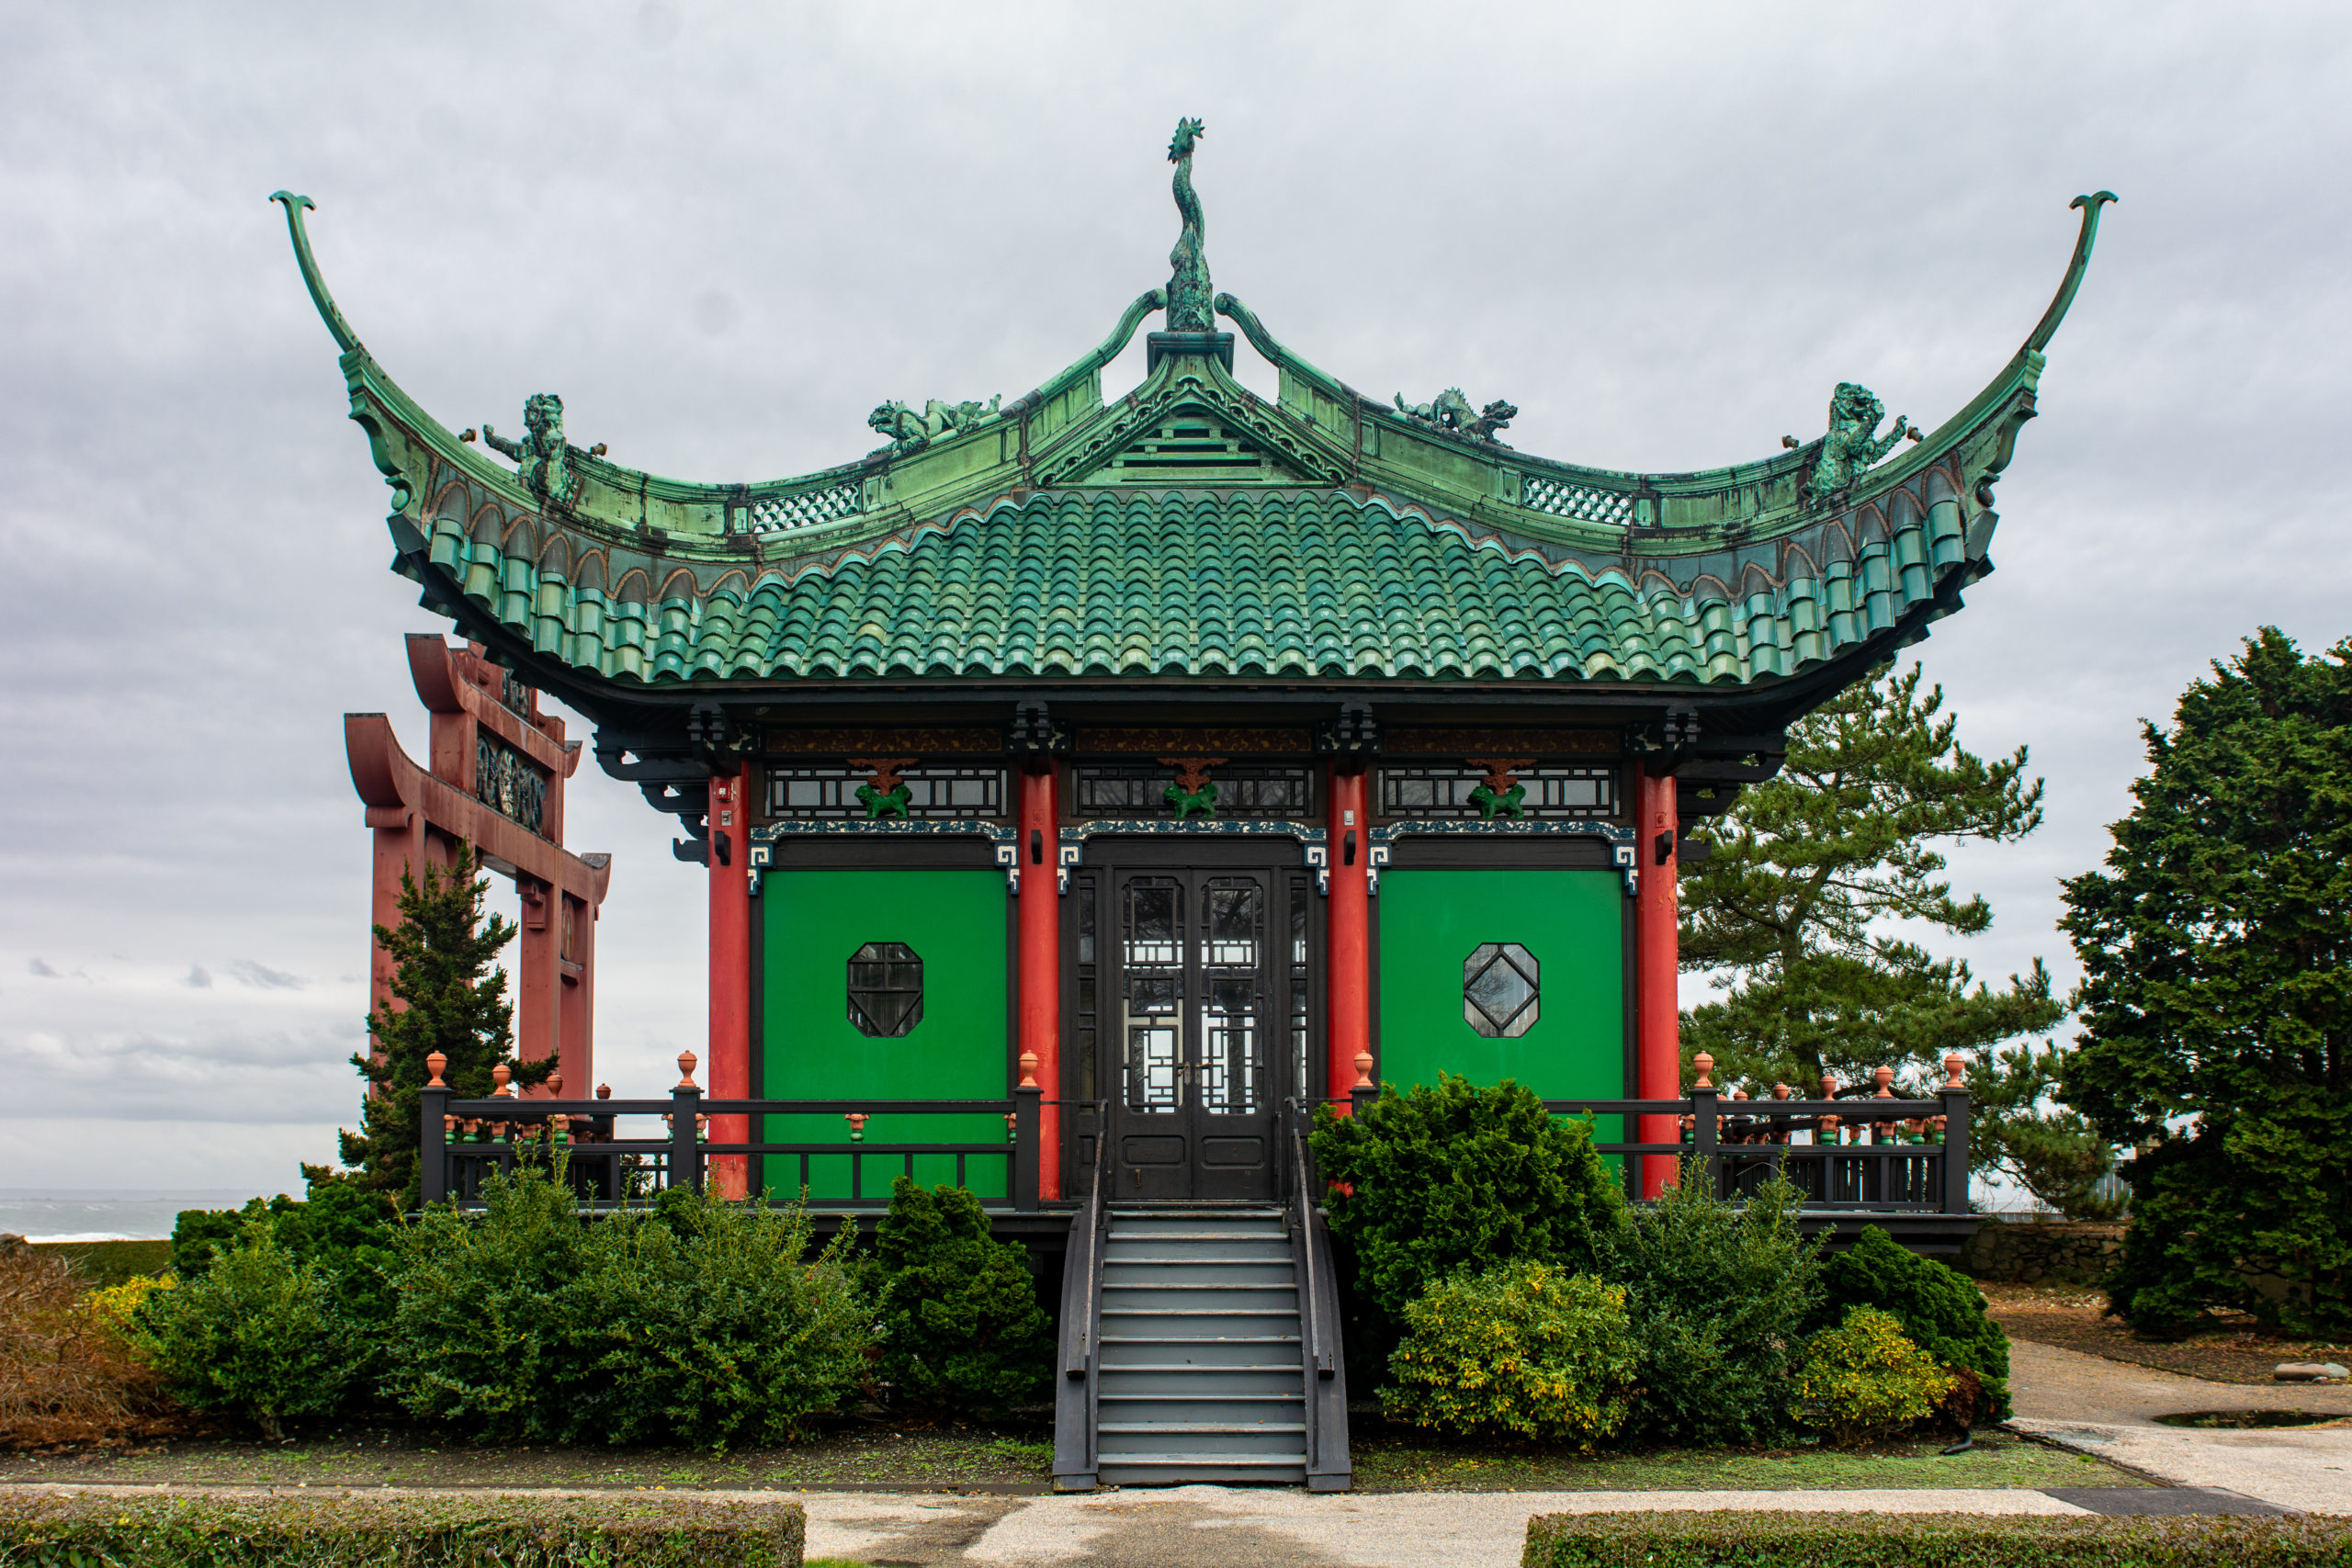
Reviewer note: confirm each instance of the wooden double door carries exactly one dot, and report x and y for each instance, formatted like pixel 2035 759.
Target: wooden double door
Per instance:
pixel 1205 999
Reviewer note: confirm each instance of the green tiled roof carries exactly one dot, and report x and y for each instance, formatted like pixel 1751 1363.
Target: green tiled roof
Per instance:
pixel 1277 582
pixel 1191 528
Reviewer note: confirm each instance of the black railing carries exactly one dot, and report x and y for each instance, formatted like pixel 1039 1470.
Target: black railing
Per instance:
pixel 1076 1407
pixel 462 1140
pixel 1864 1152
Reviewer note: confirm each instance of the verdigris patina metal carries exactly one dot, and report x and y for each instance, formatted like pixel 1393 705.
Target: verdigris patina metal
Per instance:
pixel 909 430
pixel 542 455
pixel 1450 411
pixel 1853 445
pixel 1190 301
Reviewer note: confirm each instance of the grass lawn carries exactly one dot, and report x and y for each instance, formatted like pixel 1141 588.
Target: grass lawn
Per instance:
pixel 897 1455
pixel 1389 1459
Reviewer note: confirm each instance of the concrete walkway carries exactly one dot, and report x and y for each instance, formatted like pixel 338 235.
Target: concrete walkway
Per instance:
pixel 2108 1409
pixel 1220 1527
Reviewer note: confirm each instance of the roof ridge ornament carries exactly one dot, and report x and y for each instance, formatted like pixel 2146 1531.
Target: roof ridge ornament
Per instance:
pixel 909 432
pixel 345 338
pixel 2046 328
pixel 1852 445
pixel 1190 301
pixel 1450 411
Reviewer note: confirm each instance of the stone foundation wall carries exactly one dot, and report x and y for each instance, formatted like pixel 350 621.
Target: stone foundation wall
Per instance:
pixel 2030 1252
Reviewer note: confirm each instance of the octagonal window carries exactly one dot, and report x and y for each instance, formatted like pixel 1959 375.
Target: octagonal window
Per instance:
pixel 1498 990
pixel 885 989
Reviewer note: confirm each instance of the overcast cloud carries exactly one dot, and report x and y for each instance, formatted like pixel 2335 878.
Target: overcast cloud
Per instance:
pixel 723 235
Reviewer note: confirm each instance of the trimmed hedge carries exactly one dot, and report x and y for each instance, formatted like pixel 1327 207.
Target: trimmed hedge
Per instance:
pixel 1752 1539
pixel 59 1530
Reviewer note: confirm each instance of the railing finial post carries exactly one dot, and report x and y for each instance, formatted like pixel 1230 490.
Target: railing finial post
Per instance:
pixel 1956 1131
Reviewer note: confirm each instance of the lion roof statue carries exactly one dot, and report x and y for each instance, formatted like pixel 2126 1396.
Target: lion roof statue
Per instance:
pixel 1852 445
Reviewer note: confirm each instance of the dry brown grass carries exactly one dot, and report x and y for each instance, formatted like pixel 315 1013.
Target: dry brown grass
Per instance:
pixel 63 1377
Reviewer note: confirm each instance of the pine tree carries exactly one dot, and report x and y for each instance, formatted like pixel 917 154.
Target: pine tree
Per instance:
pixel 445 970
pixel 2217 998
pixel 1808 866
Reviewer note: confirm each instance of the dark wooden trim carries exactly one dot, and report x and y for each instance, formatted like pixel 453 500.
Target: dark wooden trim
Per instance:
pixel 1013 979
pixel 758 1077
pixel 819 851
pixel 1626 1005
pixel 1143 852
pixel 1501 852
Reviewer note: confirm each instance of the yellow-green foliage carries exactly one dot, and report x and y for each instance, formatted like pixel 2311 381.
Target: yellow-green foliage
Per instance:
pixel 112 1305
pixel 1863 1379
pixel 1525 1348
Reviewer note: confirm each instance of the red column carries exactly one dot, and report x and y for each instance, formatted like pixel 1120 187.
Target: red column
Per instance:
pixel 1656 932
pixel 577 949
pixel 400 846
pixel 730 974
pixel 1041 968
pixel 1347 1014
pixel 538 1010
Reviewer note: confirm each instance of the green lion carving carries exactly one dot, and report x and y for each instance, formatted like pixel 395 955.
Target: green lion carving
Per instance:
pixel 1450 411
pixel 1192 305
pixel 543 456
pixel 909 430
pixel 1853 443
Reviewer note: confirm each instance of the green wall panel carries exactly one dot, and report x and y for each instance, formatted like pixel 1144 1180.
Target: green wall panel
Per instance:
pixel 1572 922
pixel 812 921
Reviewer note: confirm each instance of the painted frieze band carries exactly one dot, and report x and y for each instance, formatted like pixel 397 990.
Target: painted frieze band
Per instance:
pixel 1622 841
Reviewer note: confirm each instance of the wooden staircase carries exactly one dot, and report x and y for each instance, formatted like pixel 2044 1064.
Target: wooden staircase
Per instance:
pixel 1200 1343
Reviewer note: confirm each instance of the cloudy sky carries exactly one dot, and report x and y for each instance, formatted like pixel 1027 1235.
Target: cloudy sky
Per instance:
pixel 724 232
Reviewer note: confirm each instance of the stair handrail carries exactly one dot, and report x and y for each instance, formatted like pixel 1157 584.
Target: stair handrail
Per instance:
pixel 1329 1468
pixel 1082 1312
pixel 1318 1356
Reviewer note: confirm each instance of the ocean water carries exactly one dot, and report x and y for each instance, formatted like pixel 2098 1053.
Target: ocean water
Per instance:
pixel 105 1213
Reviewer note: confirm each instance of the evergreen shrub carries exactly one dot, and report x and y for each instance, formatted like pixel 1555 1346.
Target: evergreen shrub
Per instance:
pixel 1753 1538
pixel 1454 1177
pixel 1938 1309
pixel 1524 1349
pixel 54 1531
pixel 257 1334
pixel 343 1226
pixel 1864 1379
pixel 2216 1000
pixel 696 1320
pixel 961 1327
pixel 1719 1294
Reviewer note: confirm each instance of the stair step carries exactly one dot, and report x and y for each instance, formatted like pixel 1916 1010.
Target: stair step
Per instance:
pixel 1227 1428
pixel 1159 1413
pixel 1221 1460
pixel 1152 1296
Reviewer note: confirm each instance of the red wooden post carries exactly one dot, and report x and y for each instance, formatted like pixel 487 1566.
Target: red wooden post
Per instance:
pixel 730 974
pixel 576 960
pixel 1656 916
pixel 538 990
pixel 1040 1027
pixel 1348 1011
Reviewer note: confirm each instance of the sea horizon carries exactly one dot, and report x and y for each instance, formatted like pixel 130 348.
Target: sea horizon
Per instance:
pixel 106 1214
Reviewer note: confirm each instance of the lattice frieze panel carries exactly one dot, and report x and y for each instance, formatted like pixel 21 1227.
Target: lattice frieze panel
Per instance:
pixel 1584 502
pixel 806 508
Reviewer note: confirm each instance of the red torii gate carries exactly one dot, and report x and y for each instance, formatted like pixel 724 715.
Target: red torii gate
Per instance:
pixel 496 783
